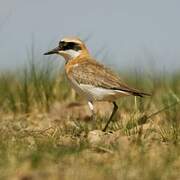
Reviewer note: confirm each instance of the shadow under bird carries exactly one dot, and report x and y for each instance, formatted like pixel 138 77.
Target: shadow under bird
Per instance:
pixel 89 78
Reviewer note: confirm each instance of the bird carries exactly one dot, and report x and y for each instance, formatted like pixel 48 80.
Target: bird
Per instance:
pixel 91 79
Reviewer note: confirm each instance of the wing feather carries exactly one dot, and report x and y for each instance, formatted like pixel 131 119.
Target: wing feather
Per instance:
pixel 96 74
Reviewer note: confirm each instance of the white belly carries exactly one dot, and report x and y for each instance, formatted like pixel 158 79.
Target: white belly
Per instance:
pixel 92 93
pixel 102 94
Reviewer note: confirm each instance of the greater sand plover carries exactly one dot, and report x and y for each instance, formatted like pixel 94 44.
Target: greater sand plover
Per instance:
pixel 89 78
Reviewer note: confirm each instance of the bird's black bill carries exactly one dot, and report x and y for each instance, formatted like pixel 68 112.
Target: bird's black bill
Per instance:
pixel 53 51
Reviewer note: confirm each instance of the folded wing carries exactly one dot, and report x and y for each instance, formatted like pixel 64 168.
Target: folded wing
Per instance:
pixel 96 74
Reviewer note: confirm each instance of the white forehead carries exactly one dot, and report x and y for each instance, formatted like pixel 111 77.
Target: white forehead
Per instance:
pixel 72 39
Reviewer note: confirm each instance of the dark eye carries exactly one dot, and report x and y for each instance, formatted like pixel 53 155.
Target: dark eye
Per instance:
pixel 69 45
pixel 74 46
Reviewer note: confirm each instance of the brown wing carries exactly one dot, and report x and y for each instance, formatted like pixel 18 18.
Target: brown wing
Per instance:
pixel 96 74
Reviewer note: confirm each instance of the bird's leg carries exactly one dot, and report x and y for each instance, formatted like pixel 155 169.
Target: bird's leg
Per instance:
pixel 112 115
pixel 91 107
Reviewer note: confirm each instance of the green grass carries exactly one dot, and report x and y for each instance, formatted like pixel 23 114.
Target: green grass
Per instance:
pixel 46 134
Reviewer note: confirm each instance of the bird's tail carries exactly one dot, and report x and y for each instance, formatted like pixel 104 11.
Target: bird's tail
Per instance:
pixel 140 94
pixel 132 91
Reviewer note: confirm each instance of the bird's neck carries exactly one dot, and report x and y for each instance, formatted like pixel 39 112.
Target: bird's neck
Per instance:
pixel 71 54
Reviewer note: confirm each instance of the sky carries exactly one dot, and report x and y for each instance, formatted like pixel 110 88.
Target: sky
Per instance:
pixel 120 33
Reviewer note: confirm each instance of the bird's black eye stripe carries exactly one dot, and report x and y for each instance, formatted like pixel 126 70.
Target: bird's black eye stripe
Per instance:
pixel 69 45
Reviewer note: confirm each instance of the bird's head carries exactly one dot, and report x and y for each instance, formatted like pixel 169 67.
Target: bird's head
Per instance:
pixel 69 48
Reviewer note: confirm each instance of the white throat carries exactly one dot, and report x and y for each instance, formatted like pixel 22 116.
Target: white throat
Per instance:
pixel 70 54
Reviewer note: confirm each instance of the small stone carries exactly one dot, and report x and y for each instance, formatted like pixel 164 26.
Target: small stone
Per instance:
pixel 95 137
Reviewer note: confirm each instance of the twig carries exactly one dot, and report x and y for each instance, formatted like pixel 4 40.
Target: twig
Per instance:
pixel 104 149
pixel 163 109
